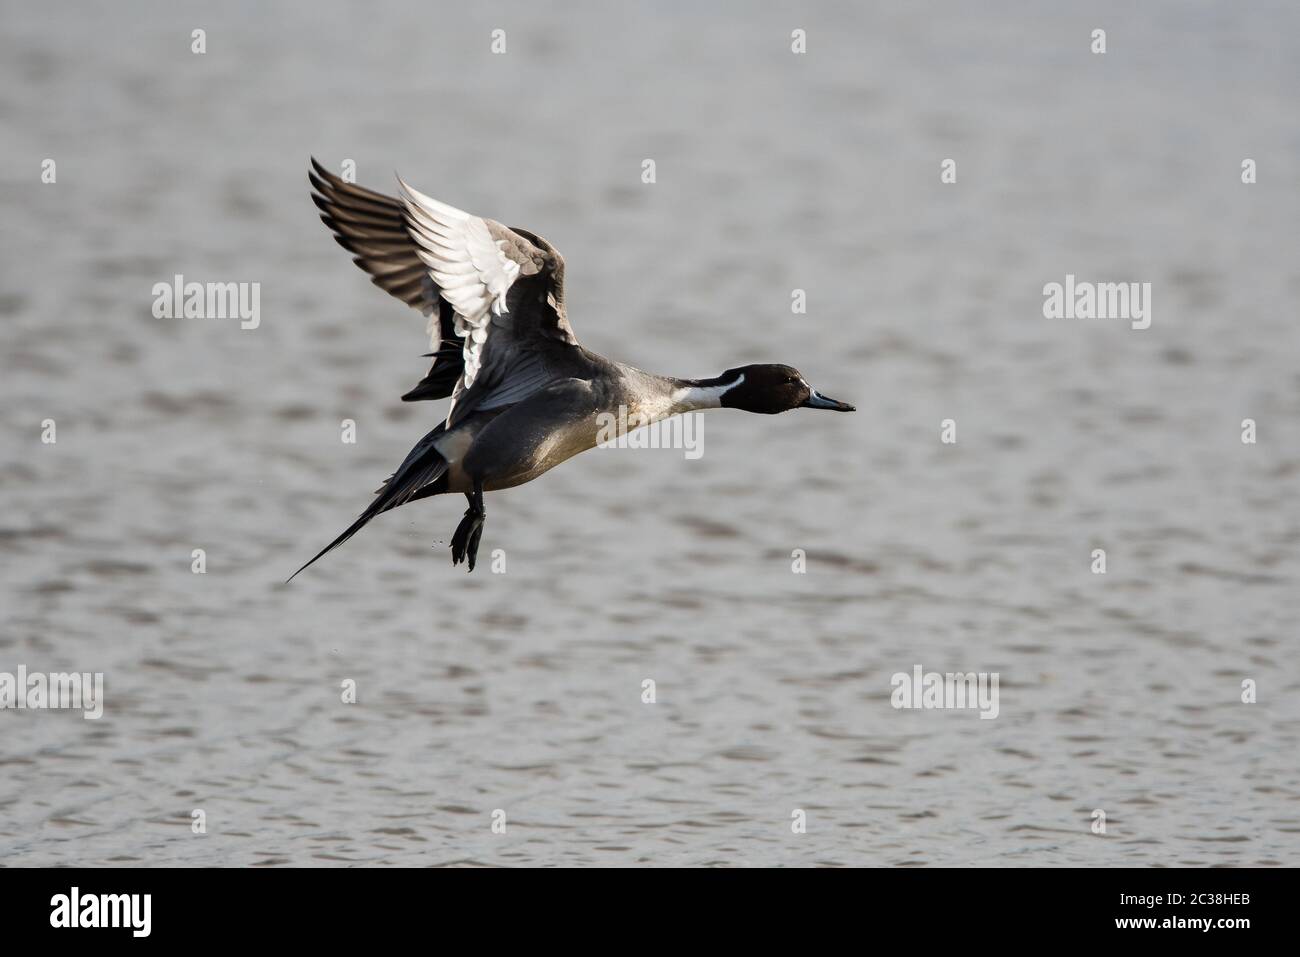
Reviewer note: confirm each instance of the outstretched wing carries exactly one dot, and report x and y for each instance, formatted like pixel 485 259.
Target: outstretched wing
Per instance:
pixel 506 289
pixel 372 227
pixel 494 295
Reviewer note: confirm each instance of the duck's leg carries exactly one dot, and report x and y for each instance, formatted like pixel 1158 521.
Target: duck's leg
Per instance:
pixel 464 544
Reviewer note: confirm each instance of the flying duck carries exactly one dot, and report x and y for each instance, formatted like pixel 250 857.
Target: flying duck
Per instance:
pixel 525 395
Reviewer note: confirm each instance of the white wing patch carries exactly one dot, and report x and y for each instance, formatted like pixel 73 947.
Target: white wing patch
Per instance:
pixel 467 264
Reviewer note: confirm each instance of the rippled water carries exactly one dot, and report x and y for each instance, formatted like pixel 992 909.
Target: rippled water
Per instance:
pixel 522 691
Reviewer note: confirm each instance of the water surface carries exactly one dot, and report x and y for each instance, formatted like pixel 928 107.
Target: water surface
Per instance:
pixel 522 691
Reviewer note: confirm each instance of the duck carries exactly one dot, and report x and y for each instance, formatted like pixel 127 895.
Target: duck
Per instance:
pixel 525 395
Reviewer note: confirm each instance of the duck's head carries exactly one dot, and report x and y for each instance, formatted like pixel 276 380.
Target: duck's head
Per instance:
pixel 770 389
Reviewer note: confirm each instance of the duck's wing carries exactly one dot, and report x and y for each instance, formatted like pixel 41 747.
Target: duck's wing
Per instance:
pixel 373 228
pixel 506 290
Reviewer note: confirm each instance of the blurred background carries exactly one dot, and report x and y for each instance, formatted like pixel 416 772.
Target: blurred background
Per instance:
pixel 522 691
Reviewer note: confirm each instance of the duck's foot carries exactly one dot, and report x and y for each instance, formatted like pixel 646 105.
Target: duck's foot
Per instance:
pixel 464 544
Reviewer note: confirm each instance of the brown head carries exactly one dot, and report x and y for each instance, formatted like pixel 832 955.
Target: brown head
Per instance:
pixel 769 389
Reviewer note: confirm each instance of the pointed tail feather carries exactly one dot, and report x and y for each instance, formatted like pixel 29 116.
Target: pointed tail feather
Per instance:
pixel 413 478
pixel 348 533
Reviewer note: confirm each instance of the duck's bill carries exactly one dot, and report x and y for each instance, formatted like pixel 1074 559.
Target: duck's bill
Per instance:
pixel 819 401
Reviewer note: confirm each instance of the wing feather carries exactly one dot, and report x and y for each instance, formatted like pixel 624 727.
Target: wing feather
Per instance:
pixel 468 263
pixel 459 270
pixel 372 227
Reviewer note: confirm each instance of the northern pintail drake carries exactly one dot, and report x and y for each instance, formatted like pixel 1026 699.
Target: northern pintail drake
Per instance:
pixel 525 395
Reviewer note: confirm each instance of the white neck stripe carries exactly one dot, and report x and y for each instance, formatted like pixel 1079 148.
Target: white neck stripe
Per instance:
pixel 703 397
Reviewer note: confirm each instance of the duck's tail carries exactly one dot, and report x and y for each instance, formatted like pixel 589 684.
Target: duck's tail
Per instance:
pixel 413 479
